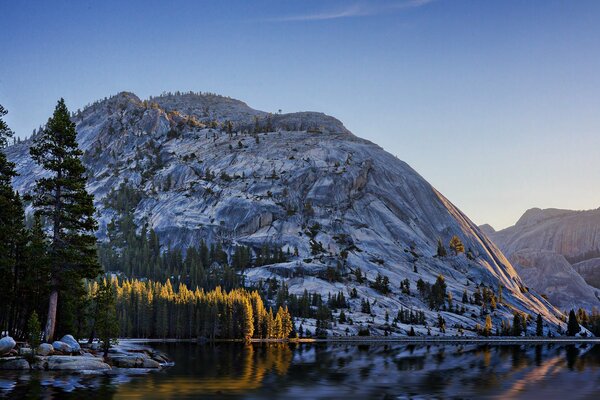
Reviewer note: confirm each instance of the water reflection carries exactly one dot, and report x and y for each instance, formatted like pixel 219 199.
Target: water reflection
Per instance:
pixel 338 371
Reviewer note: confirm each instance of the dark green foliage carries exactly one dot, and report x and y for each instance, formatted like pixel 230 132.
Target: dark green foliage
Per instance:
pixel 34 331
pixel 365 306
pixel 381 284
pixel 106 324
pixel 364 331
pixel 61 197
pixel 441 250
pixel 441 323
pixel 518 326
pixel 573 327
pixel 408 316
pixel 539 325
pixel 405 286
pixel 22 261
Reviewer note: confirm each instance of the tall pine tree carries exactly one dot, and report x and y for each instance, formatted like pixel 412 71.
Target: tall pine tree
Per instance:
pixel 62 199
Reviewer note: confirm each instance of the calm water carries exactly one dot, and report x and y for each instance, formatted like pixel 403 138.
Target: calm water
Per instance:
pixel 327 371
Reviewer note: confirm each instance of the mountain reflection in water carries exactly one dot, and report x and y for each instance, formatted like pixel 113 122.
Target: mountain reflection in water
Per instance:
pixel 377 371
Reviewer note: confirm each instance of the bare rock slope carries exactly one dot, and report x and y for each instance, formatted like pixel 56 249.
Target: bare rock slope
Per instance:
pixel 547 242
pixel 303 182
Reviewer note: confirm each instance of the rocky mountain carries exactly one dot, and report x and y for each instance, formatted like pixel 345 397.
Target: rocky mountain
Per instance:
pixel 574 234
pixel 544 244
pixel 551 274
pixel 590 271
pixel 207 167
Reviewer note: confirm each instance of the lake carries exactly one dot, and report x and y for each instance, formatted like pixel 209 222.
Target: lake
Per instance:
pixel 336 370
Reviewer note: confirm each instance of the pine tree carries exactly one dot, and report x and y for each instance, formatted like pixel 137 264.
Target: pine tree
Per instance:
pixel 517 328
pixel 456 245
pixel 62 198
pixel 107 325
pixel 441 250
pixel 34 331
pixel 539 325
pixel 487 330
pixel 573 327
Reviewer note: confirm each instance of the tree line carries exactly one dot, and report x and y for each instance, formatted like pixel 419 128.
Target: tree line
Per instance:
pixel 151 309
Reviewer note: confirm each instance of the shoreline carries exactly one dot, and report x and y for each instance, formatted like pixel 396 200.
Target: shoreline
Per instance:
pixel 377 340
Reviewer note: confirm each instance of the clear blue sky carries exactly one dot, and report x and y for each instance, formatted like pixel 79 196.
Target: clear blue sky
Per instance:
pixel 496 103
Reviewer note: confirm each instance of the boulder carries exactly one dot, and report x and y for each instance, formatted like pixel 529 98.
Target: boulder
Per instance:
pixel 14 363
pixel 149 363
pixel 70 340
pixel 45 349
pixel 122 361
pixel 6 345
pixel 62 346
pixel 25 351
pixel 56 363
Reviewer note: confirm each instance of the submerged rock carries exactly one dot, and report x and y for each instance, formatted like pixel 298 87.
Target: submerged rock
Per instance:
pixel 6 345
pixel 18 363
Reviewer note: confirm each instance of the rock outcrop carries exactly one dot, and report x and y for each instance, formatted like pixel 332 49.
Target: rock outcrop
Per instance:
pixel 590 271
pixel 550 241
pixel 573 234
pixel 552 275
pixel 274 176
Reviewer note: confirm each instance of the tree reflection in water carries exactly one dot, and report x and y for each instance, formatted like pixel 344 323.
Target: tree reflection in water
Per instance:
pixel 279 370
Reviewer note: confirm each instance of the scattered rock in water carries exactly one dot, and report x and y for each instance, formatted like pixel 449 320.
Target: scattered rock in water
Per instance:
pixel 62 347
pixel 56 363
pixel 45 349
pixel 14 363
pixel 59 356
pixel 70 340
pixel 6 345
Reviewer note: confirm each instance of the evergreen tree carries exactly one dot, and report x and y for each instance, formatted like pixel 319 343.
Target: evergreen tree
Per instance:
pixel 106 324
pixel 62 198
pixel 487 330
pixel 441 250
pixel 517 328
pixel 539 326
pixel 573 327
pixel 456 245
pixel 34 331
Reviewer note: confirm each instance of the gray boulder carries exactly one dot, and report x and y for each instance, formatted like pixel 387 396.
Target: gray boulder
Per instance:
pixel 45 349
pixel 6 345
pixel 25 351
pixel 127 361
pixel 56 363
pixel 70 340
pixel 62 346
pixel 14 363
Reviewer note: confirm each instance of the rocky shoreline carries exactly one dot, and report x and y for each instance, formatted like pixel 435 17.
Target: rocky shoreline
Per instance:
pixel 68 354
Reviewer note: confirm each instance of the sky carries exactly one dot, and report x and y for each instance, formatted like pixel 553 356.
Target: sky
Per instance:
pixel 495 103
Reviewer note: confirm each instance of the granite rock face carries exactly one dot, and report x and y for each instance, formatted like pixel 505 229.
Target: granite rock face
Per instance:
pixel 274 177
pixel 590 271
pixel 574 234
pixel 551 240
pixel 551 274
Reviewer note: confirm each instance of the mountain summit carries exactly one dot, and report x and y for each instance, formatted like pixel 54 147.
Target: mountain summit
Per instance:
pixel 207 167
